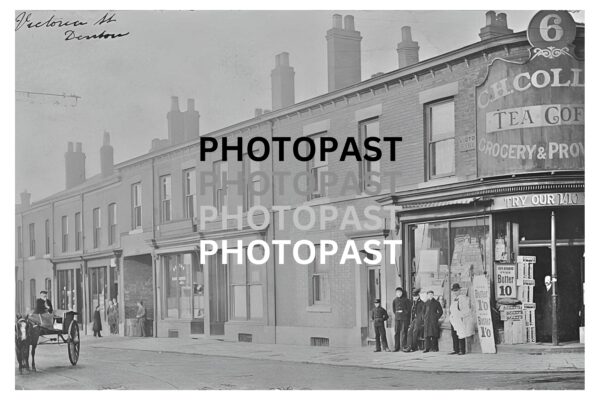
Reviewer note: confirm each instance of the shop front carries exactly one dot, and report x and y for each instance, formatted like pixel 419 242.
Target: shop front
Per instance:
pixel 68 292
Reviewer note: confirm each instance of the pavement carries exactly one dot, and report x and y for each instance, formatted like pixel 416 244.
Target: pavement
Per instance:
pixel 532 358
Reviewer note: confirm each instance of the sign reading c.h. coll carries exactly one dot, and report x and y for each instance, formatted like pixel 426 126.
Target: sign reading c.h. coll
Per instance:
pixel 530 116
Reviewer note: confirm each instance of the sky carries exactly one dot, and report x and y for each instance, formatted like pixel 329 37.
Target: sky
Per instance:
pixel 222 59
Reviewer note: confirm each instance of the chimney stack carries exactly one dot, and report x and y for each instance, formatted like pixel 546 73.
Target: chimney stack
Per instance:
pixel 282 82
pixel 495 25
pixel 175 122
pixel 408 50
pixel 106 156
pixel 74 165
pixel 25 200
pixel 343 53
pixel 191 122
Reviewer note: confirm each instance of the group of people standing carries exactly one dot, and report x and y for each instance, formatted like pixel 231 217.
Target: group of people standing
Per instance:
pixel 112 317
pixel 416 320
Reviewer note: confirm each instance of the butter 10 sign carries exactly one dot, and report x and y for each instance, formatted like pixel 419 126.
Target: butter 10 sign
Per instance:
pixel 506 281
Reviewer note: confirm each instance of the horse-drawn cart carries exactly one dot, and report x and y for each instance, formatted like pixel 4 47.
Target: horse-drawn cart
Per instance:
pixel 65 330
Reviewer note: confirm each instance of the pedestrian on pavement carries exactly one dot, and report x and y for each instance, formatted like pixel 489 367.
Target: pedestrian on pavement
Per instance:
pixel 461 320
pixel 545 315
pixel 141 318
pixel 379 315
pixel 415 329
pixel 113 317
pixel 97 326
pixel 401 310
pixel 431 323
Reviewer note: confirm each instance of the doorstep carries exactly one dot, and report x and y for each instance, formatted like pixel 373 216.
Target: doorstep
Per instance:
pixel 541 348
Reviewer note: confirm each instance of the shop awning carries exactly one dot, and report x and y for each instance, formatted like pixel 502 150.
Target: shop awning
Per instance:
pixel 437 204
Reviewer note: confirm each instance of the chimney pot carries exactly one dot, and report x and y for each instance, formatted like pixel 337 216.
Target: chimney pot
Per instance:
pixel 78 147
pixel 191 106
pixel 106 139
pixel 70 147
pixel 501 19
pixel 495 26
pixel 490 18
pixel 282 82
pixel 349 23
pixel 25 199
pixel 337 21
pixel 406 34
pixel 174 103
pixel 408 49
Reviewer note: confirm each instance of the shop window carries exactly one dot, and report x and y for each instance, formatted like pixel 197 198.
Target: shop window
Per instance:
pixel 48 287
pixel 184 286
pixel 136 205
pixel 319 281
pixel 440 138
pixel 112 223
pixel 64 223
pixel 369 170
pixel 448 252
pixel 246 289
pixel 165 198
pixel 47 236
pixel 78 231
pixel 189 193
pixel 316 168
pixel 32 294
pixel 66 296
pixel 31 240
pixel 96 226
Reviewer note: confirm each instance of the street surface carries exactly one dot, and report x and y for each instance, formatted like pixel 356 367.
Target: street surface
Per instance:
pixel 104 368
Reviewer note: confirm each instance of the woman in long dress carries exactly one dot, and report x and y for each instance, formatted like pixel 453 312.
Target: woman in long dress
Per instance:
pixel 113 317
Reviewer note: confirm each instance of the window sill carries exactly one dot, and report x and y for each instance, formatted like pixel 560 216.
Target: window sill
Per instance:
pixel 135 231
pixel 446 180
pixel 319 308
pixel 30 258
pixel 257 322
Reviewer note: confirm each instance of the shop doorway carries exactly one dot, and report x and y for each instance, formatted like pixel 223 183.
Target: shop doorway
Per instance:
pixel 569 269
pixel 98 294
pixel 217 275
pixel 373 292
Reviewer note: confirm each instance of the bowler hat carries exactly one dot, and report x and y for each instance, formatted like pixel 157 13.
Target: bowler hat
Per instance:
pixel 455 287
pixel 399 288
pixel 43 292
pixel 416 292
pixel 377 301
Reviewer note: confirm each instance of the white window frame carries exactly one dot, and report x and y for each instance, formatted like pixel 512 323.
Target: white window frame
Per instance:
pixel 136 205
pixel 448 137
pixel 189 193
pixel 165 198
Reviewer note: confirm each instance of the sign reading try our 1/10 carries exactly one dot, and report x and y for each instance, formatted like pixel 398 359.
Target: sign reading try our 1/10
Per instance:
pixel 530 114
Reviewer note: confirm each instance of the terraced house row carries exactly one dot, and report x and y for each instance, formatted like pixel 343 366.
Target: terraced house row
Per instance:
pixel 472 193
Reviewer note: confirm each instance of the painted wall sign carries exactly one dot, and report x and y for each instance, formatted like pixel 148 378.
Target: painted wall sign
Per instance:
pixel 481 291
pixel 550 32
pixel 539 200
pixel 506 281
pixel 530 116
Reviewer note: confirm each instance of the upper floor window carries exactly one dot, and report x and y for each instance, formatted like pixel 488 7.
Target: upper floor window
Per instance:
pixel 32 294
pixel 316 168
pixel 64 229
pixel 112 223
pixel 48 287
pixel 440 138
pixel 96 226
pixel 369 170
pixel 220 187
pixel 189 193
pixel 165 198
pixel 31 240
pixel 136 205
pixel 47 236
pixel 19 242
pixel 78 231
pixel 252 182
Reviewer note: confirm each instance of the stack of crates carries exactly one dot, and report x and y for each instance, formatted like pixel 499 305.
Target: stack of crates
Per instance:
pixel 525 287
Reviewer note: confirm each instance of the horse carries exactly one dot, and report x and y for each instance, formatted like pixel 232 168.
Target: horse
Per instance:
pixel 27 334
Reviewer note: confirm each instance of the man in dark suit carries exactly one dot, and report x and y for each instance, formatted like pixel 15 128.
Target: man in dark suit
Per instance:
pixel 43 304
pixel 401 310
pixel 379 315
pixel 431 331
pixel 415 330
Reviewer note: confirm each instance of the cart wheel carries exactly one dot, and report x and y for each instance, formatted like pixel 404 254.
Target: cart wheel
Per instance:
pixel 73 344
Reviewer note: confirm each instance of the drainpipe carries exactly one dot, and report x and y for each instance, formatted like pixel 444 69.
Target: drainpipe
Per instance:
pixel 154 256
pixel 554 293
pixel 272 123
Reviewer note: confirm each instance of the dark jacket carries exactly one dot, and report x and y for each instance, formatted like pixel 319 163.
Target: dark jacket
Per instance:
pixel 417 312
pixel 42 307
pixel 433 313
pixel 97 321
pixel 379 315
pixel 401 307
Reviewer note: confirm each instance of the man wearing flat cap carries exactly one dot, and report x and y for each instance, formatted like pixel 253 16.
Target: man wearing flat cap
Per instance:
pixel 379 315
pixel 417 313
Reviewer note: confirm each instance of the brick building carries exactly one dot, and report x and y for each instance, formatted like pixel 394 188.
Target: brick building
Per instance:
pixel 133 231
